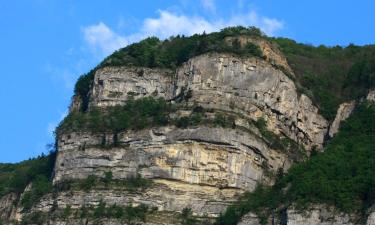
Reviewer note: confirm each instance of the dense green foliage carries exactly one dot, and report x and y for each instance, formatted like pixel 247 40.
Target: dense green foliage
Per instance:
pixel 343 176
pixel 92 182
pixel 82 89
pixel 127 214
pixel 131 183
pixel 172 52
pixel 330 75
pixel 135 114
pixel 187 217
pixel 15 177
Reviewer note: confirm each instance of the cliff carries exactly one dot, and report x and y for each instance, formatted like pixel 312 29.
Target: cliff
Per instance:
pixel 233 122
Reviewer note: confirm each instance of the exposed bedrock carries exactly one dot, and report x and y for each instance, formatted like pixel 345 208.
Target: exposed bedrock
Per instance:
pixel 250 86
pixel 211 160
pixel 315 215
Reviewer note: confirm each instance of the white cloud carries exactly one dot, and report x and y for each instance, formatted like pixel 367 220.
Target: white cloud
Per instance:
pixel 209 5
pixel 270 26
pixel 169 24
pixel 51 127
pixel 102 39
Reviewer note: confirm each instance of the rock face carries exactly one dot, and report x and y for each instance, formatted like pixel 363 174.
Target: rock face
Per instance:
pixel 203 168
pixel 114 85
pixel 255 89
pixel 371 218
pixel 217 163
pixel 371 96
pixel 270 52
pixel 342 114
pixel 8 207
pixel 250 86
pixel 316 215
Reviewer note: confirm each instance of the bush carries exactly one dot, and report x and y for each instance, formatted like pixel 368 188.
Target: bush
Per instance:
pixel 295 151
pixel 88 183
pixel 128 213
pixel 82 89
pixel 187 217
pixel 223 120
pixel 131 184
pixel 135 114
pixel 107 177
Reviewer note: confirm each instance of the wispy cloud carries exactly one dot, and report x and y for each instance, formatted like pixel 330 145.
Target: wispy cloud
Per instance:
pixel 209 5
pixel 101 38
pixel 169 23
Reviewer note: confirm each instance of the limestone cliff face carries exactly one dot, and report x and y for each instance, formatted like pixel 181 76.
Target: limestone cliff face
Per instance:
pixel 315 215
pixel 250 86
pixel 218 163
pixel 203 168
pixel 343 112
pixel 8 206
pixel 255 89
pixel 114 85
pixel 371 95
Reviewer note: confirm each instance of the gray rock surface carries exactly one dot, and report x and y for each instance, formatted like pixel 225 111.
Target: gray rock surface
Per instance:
pixel 255 89
pixel 371 95
pixel 204 165
pixel 315 215
pixel 371 218
pixel 203 168
pixel 343 112
pixel 250 86
pixel 114 85
pixel 8 209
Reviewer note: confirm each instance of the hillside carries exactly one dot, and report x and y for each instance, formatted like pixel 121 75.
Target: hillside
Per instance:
pixel 226 128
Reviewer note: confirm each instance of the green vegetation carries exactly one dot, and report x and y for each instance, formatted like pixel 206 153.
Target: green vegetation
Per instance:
pixel 41 185
pixel 330 75
pixel 223 120
pixel 127 214
pixel 187 217
pixel 135 114
pixel 15 177
pixel 295 151
pixel 172 52
pixel 82 89
pixel 135 183
pixel 34 218
pixel 343 176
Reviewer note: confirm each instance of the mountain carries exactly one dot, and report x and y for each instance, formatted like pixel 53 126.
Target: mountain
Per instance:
pixel 225 128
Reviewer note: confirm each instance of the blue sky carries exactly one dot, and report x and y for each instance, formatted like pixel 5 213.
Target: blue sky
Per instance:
pixel 46 44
